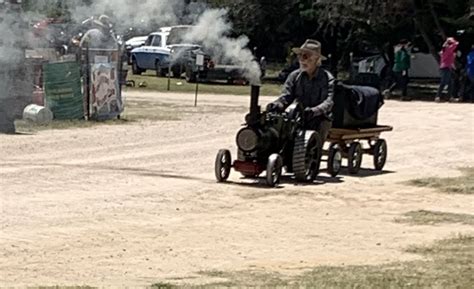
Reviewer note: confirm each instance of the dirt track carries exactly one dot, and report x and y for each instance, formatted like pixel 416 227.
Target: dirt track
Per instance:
pixel 134 204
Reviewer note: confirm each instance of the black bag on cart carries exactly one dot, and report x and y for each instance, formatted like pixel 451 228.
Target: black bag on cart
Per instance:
pixel 356 106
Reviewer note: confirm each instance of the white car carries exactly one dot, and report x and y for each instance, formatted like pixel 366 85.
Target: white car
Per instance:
pixel 156 51
pixel 133 43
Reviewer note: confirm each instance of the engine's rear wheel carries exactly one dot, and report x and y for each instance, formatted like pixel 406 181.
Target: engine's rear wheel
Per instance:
pixel 306 155
pixel 274 167
pixel 223 165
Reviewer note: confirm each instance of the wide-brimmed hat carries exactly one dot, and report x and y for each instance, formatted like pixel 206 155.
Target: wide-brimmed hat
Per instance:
pixel 310 45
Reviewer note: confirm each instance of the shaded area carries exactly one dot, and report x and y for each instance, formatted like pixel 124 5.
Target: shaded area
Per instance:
pixel 132 170
pixel 363 173
pixel 260 182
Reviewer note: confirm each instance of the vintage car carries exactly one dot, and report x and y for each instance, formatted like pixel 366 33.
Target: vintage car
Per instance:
pixel 211 70
pixel 133 43
pixel 161 51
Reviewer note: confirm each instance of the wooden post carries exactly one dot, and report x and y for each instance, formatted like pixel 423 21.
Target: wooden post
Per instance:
pixel 169 75
pixel 88 84
pixel 197 88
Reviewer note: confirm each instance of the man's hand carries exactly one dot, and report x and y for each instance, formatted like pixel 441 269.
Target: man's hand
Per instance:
pixel 308 113
pixel 312 112
pixel 275 107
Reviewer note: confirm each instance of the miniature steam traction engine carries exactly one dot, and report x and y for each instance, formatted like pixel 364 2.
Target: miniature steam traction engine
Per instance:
pixel 271 141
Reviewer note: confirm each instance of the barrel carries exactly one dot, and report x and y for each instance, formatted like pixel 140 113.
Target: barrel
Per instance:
pixel 37 114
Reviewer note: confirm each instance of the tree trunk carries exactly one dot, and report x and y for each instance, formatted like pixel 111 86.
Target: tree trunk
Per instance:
pixel 423 31
pixel 427 39
pixel 436 19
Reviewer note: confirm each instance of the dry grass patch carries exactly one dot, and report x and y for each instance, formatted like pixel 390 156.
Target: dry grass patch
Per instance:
pixel 423 217
pixel 137 110
pixel 448 264
pixel 460 185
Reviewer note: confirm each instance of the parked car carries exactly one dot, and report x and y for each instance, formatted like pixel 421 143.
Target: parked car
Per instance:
pixel 211 70
pixel 133 43
pixel 161 50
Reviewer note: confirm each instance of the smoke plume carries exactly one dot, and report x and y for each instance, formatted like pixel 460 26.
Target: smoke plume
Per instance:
pixel 212 30
pixel 13 85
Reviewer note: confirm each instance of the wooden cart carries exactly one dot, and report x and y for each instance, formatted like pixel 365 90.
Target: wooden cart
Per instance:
pixel 349 142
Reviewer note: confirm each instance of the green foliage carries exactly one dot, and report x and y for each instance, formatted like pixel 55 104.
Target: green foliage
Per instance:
pixel 345 27
pixel 154 83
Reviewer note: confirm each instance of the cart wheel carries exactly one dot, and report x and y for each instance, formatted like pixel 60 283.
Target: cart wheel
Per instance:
pixel 334 160
pixel 223 165
pixel 306 155
pixel 274 166
pixel 354 158
pixel 380 154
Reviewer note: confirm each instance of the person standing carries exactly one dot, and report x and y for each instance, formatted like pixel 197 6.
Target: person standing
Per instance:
pixel 401 66
pixel 469 93
pixel 448 57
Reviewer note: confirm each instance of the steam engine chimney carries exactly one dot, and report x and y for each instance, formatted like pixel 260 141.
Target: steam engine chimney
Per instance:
pixel 254 114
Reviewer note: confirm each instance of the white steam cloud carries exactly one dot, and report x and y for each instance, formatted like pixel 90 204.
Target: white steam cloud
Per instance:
pixel 13 85
pixel 212 30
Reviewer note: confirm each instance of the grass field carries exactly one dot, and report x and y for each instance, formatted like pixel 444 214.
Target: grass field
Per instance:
pixel 148 81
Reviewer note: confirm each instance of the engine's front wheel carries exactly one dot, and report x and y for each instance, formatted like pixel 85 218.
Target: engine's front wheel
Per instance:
pixel 223 165
pixel 274 168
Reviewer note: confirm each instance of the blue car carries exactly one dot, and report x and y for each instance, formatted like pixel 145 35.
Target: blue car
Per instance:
pixel 158 52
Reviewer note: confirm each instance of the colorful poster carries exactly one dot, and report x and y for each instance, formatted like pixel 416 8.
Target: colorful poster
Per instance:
pixel 106 98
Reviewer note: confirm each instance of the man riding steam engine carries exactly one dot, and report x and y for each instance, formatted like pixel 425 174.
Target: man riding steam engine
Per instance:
pixel 311 86
pixel 292 130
